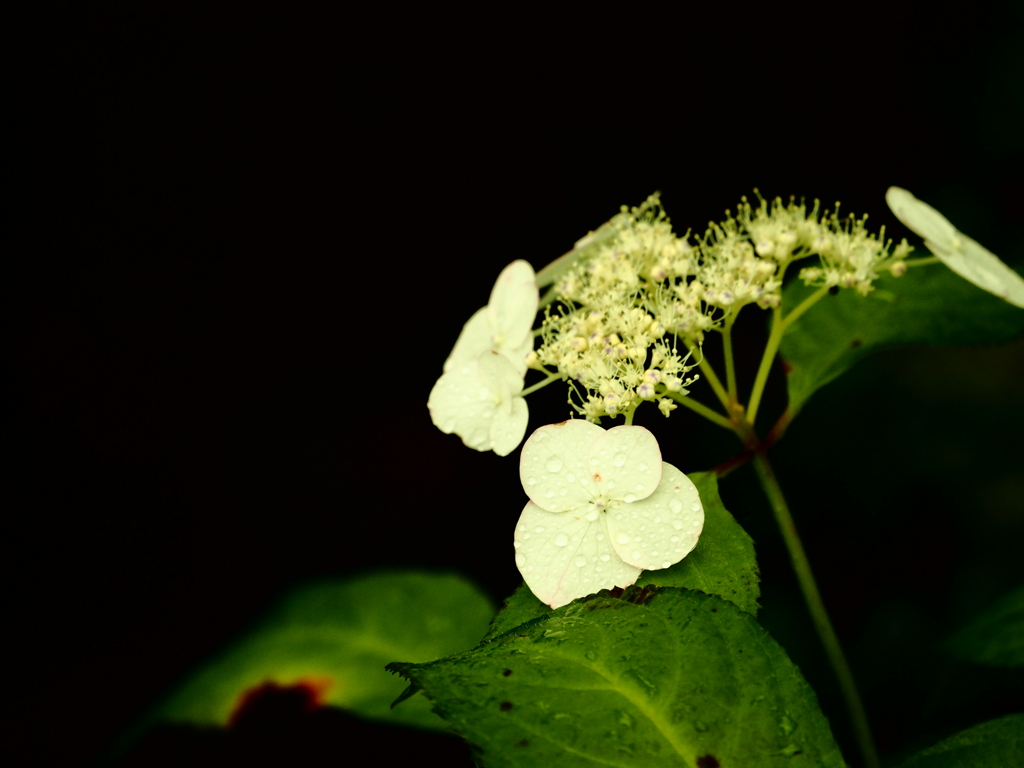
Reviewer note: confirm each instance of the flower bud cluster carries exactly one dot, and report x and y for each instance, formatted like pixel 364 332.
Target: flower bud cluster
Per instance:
pixel 851 257
pixel 638 292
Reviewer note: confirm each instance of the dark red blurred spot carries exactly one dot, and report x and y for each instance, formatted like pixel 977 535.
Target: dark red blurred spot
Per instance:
pixel 786 367
pixel 271 702
pixel 707 761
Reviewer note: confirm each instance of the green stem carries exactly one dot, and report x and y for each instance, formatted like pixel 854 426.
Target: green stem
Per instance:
pixel 703 410
pixel 921 262
pixel 709 372
pixel 730 368
pixel 819 615
pixel 779 326
pixel 629 415
pixel 543 383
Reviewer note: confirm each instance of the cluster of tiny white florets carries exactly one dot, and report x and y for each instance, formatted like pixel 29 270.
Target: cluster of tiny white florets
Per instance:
pixel 851 257
pixel 633 309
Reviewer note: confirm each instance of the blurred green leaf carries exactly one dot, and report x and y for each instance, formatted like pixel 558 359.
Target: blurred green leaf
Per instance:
pixel 659 676
pixel 996 637
pixel 929 305
pixel 994 744
pixel 335 637
pixel 723 564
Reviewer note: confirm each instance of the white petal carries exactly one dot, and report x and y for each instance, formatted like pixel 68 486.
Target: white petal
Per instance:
pixel 461 403
pixel 474 339
pixel 662 529
pixel 965 256
pixel 553 465
pixel 511 414
pixel 919 217
pixel 513 305
pixel 509 426
pixel 978 265
pixel 562 557
pixel 625 463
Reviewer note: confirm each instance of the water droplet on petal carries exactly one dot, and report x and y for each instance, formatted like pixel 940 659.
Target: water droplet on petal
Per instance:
pixel 642 466
pixel 636 554
pixel 695 507
pixel 592 514
pixel 675 505
pixel 539 529
pixel 696 523
pixel 677 524
pixel 629 498
pixel 622 538
pixel 619 460
pixel 605 557
pixel 554 464
pixel 580 561
pixel 571 477
pixel 549 494
pixel 520 559
pixel 639 486
pixel 531 481
pixel 666 563
pixel 561 540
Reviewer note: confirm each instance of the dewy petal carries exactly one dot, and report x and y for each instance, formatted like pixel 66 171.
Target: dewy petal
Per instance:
pixel 552 465
pixel 511 414
pixel 461 403
pixel 962 254
pixel 507 429
pixel 513 305
pixel 662 529
pixel 474 339
pixel 625 463
pixel 562 556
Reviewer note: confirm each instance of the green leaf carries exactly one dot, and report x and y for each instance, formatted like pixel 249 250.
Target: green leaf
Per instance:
pixel 520 607
pixel 997 742
pixel 658 677
pixel 335 637
pixel 996 637
pixel 723 562
pixel 929 305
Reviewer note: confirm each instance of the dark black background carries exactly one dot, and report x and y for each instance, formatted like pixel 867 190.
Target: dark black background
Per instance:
pixel 252 237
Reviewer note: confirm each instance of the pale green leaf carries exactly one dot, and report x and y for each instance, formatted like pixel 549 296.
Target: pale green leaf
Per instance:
pixel 656 677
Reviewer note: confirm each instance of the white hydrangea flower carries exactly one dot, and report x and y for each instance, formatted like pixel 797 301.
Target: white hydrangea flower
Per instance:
pixel 603 507
pixel 479 401
pixel 505 324
pixel 967 257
